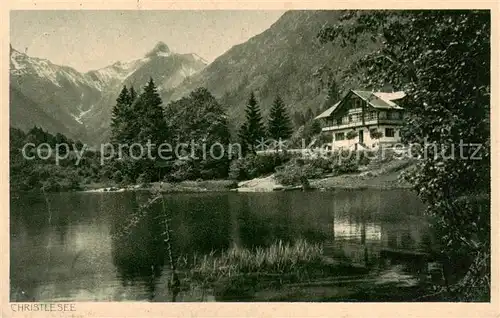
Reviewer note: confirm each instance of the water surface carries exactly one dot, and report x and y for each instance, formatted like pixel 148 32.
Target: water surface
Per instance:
pixel 73 246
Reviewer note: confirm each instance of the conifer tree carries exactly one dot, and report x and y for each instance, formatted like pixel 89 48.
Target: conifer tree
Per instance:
pixel 119 116
pixel 254 130
pixel 333 95
pixel 133 94
pixel 309 115
pixel 298 119
pixel 243 137
pixel 279 126
pixel 149 112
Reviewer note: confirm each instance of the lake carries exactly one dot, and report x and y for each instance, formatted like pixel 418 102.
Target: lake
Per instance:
pixel 77 246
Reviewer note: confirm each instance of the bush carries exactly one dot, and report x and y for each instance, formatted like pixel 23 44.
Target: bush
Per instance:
pixel 126 180
pixel 253 166
pixel 87 180
pixel 363 159
pixel 182 170
pixel 312 172
pixel 70 182
pixel 258 165
pixel 347 165
pixel 30 182
pixel 50 185
pixel 143 178
pixel 376 134
pixel 299 170
pixel 351 134
pixel 208 174
pixel 293 174
pixel 237 170
pixel 117 176
pixel 321 164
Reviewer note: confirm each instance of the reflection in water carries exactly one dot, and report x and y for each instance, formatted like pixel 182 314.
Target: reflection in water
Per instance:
pixel 138 254
pixel 78 251
pixel 343 229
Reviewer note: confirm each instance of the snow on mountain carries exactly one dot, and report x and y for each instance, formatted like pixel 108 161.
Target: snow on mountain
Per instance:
pixel 84 100
pixel 21 64
pixel 78 117
pixel 24 65
pixel 100 79
pixel 117 72
pixel 162 54
pixel 187 71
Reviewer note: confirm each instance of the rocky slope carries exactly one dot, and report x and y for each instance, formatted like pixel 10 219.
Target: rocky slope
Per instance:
pixel 59 92
pixel 286 59
pixel 61 99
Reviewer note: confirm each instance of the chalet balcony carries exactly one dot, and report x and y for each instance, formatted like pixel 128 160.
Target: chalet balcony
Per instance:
pixel 331 127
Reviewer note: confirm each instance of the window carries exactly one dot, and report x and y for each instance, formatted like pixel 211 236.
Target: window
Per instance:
pixel 393 115
pixel 382 115
pixel 339 121
pixel 339 136
pixel 354 118
pixel 389 132
pixel 371 115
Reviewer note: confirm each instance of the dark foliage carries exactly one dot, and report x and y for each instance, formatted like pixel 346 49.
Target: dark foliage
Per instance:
pixel 279 126
pixel 441 59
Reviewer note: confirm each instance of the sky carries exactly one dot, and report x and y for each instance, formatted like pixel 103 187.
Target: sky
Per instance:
pixel 88 40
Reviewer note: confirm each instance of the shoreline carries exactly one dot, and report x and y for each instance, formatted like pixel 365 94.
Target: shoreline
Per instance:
pixel 384 177
pixel 260 185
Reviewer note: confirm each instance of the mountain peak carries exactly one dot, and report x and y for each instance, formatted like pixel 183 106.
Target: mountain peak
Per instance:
pixel 14 51
pixel 160 49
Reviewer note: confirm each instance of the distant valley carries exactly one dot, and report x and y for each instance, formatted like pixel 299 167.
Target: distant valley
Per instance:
pixel 286 59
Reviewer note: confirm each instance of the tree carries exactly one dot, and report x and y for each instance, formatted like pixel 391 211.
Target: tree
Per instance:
pixel 200 122
pixel 61 139
pixel 279 126
pixel 253 130
pixel 138 119
pixel 132 94
pixel 333 95
pixel 243 137
pixel 311 129
pixel 298 119
pixel 441 59
pixel 119 116
pixel 150 121
pixel 309 115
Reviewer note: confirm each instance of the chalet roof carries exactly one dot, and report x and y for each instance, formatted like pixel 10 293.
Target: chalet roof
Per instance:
pixel 379 100
pixel 328 112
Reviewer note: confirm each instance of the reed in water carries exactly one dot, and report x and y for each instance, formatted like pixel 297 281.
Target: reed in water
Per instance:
pixel 279 258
